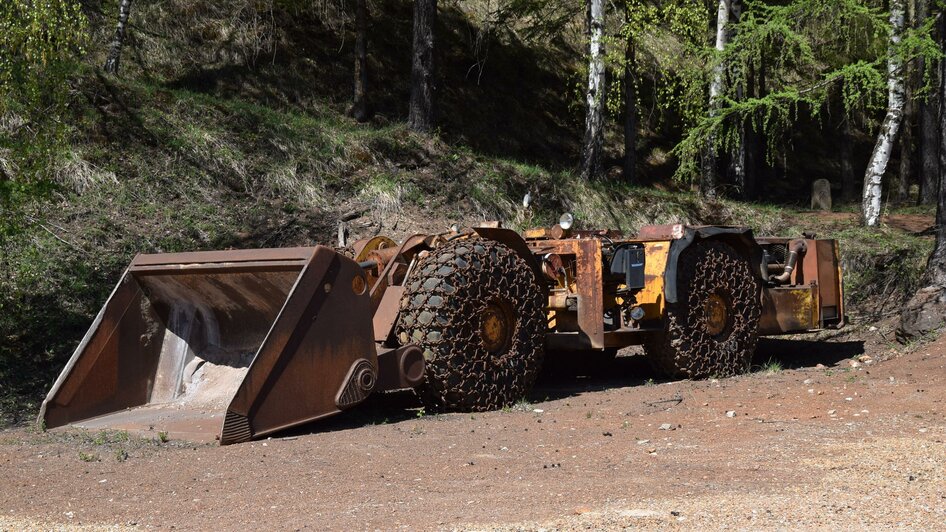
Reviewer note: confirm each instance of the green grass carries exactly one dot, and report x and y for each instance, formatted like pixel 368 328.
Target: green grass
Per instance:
pixel 771 366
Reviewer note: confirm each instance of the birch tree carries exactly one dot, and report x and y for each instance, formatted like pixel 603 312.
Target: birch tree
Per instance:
pixel 880 157
pixel 113 59
pixel 708 181
pixel 595 94
pixel 423 73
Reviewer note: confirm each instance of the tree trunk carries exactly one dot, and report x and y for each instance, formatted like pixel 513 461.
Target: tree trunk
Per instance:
pixel 756 165
pixel 848 178
pixel 873 178
pixel 630 104
pixel 907 147
pixel 929 125
pixel 907 151
pixel 360 110
pixel 936 267
pixel 925 313
pixel 118 41
pixel 595 96
pixel 708 180
pixel 422 111
pixel 737 161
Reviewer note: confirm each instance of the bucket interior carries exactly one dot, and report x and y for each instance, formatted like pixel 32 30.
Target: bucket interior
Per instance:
pixel 213 325
pixel 170 349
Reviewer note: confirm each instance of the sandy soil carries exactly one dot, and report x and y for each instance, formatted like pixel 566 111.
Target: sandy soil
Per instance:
pixel 850 434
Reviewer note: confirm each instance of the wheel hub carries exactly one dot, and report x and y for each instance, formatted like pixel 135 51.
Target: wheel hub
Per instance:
pixel 495 328
pixel 717 315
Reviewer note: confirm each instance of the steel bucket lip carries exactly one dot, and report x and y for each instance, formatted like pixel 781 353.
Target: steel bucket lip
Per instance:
pixel 300 254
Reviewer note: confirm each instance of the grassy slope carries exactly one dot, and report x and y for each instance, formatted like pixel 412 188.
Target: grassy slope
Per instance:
pixel 198 150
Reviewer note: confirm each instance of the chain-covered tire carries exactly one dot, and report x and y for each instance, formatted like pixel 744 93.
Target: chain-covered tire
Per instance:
pixel 475 308
pixel 712 329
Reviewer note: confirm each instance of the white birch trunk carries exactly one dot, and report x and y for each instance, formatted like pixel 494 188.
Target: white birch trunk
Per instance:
pixel 594 119
pixel 118 41
pixel 722 38
pixel 708 181
pixel 873 178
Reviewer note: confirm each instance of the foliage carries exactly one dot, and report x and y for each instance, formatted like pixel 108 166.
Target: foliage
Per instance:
pixel 40 45
pixel 810 52
pixel 667 37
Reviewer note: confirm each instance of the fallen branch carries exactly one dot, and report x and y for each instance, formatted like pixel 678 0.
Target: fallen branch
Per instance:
pixel 676 400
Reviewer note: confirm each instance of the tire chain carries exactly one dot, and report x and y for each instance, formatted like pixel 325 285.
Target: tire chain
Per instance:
pixel 686 349
pixel 440 312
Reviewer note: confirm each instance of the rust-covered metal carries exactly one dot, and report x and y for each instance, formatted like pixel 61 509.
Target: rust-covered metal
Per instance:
pixel 223 345
pixel 235 345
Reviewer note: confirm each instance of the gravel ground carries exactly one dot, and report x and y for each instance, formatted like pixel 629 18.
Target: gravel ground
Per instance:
pixel 849 436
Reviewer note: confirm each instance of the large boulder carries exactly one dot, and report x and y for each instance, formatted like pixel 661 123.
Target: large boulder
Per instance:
pixel 923 315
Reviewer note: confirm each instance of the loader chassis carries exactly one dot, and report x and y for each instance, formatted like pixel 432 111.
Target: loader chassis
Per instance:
pixel 809 300
pixel 234 345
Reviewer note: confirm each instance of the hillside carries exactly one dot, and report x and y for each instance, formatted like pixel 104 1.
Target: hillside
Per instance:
pixel 229 131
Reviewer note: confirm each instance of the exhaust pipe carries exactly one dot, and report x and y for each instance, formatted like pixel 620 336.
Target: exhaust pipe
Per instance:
pixel 798 247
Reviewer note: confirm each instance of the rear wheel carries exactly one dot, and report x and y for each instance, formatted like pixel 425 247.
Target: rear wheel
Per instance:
pixel 712 328
pixel 476 310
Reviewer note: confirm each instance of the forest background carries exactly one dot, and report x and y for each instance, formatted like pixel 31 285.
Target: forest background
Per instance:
pixel 166 125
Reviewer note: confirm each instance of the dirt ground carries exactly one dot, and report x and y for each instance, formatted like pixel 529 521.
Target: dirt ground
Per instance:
pixel 849 433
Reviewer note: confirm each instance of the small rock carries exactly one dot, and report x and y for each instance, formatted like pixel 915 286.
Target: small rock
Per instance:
pixel 538 410
pixel 652 450
pixel 642 442
pixel 731 413
pixel 872 328
pixel 854 363
pixel 832 412
pixel 806 381
pixel 820 366
pixel 848 398
pixel 667 426
pixel 607 434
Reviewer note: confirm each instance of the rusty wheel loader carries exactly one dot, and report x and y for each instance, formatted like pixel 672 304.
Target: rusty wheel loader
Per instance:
pixel 236 345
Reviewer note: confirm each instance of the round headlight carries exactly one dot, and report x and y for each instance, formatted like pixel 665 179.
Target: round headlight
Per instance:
pixel 566 221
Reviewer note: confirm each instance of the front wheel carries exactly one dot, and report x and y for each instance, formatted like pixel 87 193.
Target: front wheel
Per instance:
pixel 712 328
pixel 477 311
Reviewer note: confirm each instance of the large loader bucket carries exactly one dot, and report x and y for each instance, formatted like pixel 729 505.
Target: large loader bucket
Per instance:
pixel 226 345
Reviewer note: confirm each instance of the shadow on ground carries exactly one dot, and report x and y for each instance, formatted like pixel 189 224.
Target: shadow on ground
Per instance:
pixel 796 354
pixel 563 380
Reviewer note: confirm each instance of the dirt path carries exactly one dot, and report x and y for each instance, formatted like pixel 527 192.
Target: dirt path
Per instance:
pixel 836 446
